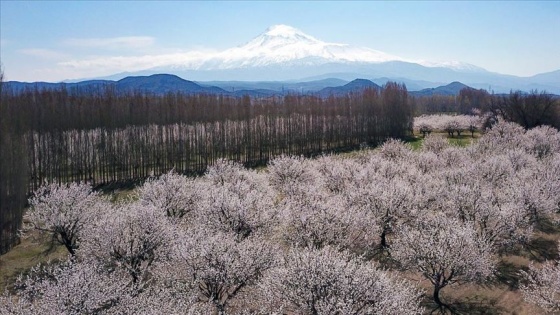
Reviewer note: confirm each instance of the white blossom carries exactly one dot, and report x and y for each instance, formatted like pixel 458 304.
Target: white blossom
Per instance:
pixel 330 282
pixel 64 211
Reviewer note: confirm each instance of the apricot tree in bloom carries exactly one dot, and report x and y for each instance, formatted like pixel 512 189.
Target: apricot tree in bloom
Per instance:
pixel 70 288
pixel 289 174
pixel 131 237
pixel 334 173
pixel 175 194
pixel 542 141
pixel 387 202
pixel 243 204
pixel 225 171
pixel 395 150
pixel 217 268
pixel 64 211
pixel 439 122
pixel 543 286
pixel 327 281
pixel 87 287
pixel 445 251
pixel 317 219
pixel 435 144
pixel 492 212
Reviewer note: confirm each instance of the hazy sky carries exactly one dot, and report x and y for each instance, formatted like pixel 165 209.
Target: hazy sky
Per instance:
pixel 53 41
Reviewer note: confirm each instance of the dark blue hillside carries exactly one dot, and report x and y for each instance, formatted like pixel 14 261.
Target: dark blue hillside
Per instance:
pixel 353 86
pixel 158 84
pixel 452 89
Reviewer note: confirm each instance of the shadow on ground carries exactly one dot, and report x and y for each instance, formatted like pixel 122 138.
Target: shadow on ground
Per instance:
pixel 476 305
pixel 508 274
pixel 541 249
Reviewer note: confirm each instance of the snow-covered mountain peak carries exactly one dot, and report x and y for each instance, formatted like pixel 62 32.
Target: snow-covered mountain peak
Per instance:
pixel 284 31
pixel 281 35
pixel 287 48
pixel 283 44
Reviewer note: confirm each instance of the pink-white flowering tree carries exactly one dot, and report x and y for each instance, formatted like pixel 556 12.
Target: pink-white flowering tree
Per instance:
pixel 445 251
pixel 160 298
pixel 317 219
pixel 216 267
pixel 542 286
pixel 175 194
pixel 424 129
pixel 328 281
pixel 535 192
pixel 434 143
pixel 335 174
pixel 225 171
pixel 70 288
pixel 439 122
pixel 13 305
pixel 290 174
pixel 387 202
pixel 64 212
pixel 542 141
pixel 242 207
pixel 395 150
pixel 501 137
pixel 87 287
pixel 131 237
pixel 494 214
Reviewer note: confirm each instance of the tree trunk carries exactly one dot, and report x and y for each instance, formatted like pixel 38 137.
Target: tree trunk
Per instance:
pixel 437 299
pixel 384 244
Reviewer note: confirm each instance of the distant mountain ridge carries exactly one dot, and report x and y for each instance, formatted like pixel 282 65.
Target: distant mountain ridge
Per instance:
pixel 356 85
pixel 451 89
pixel 153 84
pixel 163 84
pixel 159 84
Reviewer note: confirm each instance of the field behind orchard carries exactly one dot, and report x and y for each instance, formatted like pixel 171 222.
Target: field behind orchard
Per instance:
pixel 395 230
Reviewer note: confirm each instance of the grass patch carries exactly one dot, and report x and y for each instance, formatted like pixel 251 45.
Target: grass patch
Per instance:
pixel 415 142
pixel 32 250
pixel 459 141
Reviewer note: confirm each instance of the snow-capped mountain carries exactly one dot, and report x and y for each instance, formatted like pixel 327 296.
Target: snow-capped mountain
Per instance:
pixel 285 44
pixel 289 46
pixel 285 53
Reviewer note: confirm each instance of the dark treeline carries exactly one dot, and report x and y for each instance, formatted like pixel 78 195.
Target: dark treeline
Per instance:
pixel 105 137
pixel 463 103
pixel 13 175
pixel 527 109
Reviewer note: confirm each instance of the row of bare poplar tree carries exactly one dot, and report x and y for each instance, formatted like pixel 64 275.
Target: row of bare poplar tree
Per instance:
pixel 13 175
pixel 106 138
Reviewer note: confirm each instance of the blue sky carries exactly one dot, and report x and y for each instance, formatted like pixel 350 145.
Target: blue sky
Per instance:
pixel 47 40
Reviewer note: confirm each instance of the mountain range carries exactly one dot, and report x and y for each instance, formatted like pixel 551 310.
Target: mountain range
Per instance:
pixel 283 53
pixel 160 84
